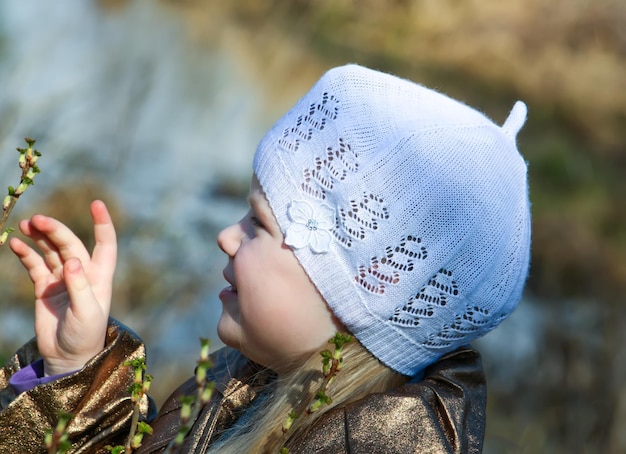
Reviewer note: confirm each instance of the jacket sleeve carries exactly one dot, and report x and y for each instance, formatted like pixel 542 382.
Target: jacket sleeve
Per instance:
pixel 97 396
pixel 442 413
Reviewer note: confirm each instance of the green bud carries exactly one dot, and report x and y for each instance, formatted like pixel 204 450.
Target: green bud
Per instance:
pixel 200 375
pixel 144 428
pixel 207 393
pixel 7 202
pixel 289 421
pixel 48 438
pixel 180 437
pixel 316 405
pixel 205 345
pixel 146 383
pixel 326 361
pixel 138 376
pixel 135 390
pixel 137 439
pixel 4 235
pixel 138 363
pixel 25 183
pixel 322 397
pixel 340 339
pixel 185 411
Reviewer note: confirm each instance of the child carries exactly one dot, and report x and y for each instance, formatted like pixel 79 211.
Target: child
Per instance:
pixel 378 208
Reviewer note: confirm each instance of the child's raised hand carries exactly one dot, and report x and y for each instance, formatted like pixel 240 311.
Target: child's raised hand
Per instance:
pixel 72 289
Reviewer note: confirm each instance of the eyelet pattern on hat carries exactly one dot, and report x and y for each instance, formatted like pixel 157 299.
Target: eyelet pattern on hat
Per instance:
pixel 428 245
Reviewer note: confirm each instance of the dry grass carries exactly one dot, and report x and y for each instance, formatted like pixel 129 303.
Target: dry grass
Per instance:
pixel 567 54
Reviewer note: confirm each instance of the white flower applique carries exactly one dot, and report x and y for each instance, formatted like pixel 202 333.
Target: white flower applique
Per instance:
pixel 312 225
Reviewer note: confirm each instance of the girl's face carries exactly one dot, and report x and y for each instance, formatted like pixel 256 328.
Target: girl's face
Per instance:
pixel 271 311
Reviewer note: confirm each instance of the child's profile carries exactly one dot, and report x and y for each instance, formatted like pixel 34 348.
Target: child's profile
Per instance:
pixel 378 209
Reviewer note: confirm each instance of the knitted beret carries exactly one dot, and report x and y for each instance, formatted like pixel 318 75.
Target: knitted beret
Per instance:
pixel 407 209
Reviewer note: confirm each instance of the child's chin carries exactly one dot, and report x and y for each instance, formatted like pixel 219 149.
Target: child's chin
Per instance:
pixel 228 330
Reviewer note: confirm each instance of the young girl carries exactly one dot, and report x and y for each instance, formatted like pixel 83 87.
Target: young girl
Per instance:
pixel 378 208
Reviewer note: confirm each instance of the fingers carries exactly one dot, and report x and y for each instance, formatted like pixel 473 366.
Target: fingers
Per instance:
pixel 42 242
pixel 105 251
pixel 78 286
pixel 59 245
pixel 57 242
pixel 33 262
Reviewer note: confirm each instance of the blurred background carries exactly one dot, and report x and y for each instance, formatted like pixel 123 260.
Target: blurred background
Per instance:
pixel 156 107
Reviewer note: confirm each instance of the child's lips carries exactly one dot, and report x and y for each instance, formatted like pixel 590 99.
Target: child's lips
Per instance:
pixel 228 293
pixel 232 287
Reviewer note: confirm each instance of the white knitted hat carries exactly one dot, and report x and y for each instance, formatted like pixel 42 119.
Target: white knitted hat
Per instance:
pixel 407 209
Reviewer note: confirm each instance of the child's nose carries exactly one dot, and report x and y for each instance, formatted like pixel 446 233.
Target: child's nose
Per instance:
pixel 229 239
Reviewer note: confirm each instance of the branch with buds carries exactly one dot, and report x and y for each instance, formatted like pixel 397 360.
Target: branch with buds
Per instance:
pixel 191 405
pixel 28 163
pixel 332 363
pixel 138 390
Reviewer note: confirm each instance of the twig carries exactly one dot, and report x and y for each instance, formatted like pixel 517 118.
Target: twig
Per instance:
pixel 138 390
pixel 191 405
pixel 28 163
pixel 332 362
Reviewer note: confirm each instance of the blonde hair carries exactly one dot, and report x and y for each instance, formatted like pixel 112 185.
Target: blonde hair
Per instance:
pixel 362 374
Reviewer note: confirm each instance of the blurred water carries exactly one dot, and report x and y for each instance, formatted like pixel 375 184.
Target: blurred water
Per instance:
pixel 126 94
pixel 125 97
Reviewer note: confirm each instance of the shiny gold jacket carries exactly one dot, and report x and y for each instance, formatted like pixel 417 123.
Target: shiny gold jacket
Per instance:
pixel 443 412
pixel 97 395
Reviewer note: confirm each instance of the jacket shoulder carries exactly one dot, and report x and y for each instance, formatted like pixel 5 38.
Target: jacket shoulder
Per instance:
pixel 443 412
